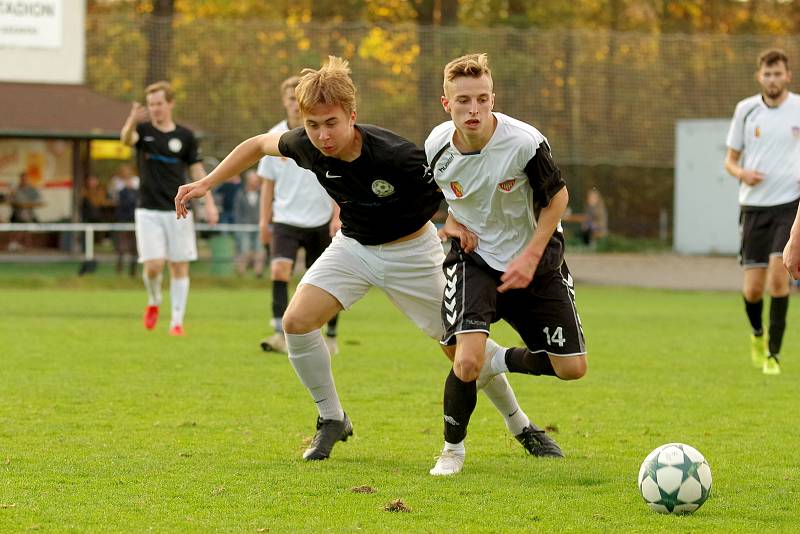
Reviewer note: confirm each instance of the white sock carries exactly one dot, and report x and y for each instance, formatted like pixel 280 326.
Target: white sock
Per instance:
pixel 312 362
pixel 457 448
pixel 498 355
pixel 153 287
pixel 502 396
pixel 178 295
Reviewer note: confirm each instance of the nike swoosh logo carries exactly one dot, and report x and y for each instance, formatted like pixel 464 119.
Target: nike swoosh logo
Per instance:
pixel 329 175
pixel 512 413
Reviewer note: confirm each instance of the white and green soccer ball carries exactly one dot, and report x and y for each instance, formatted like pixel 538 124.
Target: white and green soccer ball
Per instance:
pixel 675 479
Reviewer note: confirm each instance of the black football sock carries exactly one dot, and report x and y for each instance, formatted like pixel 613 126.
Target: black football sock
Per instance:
pixel 521 360
pixel 754 310
pixel 459 403
pixel 280 299
pixel 778 307
pixel 331 331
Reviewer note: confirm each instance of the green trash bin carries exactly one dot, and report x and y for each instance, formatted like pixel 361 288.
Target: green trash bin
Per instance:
pixel 223 252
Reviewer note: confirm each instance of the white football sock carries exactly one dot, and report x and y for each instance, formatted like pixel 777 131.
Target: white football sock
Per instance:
pixel 311 360
pixel 457 448
pixel 178 295
pixel 502 396
pixel 498 360
pixel 153 288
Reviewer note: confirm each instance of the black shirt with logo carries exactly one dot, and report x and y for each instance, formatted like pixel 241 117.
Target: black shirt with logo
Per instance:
pixel 383 194
pixel 163 159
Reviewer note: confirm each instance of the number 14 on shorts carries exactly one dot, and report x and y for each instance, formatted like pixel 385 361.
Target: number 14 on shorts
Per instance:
pixel 557 338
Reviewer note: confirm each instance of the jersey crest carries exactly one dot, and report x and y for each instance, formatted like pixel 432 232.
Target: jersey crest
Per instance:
pixel 507 185
pixel 382 188
pixel 175 144
pixel 458 191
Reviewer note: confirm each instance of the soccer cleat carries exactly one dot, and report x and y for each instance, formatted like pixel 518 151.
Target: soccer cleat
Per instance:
pixel 329 431
pixel 177 331
pixel 772 365
pixel 758 350
pixel 150 317
pixel 274 343
pixel 538 443
pixel 448 463
pixel 333 347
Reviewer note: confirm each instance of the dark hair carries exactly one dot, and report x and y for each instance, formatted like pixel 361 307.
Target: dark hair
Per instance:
pixel 772 56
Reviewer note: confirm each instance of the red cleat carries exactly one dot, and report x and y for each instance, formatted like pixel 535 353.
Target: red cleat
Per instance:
pixel 150 317
pixel 177 330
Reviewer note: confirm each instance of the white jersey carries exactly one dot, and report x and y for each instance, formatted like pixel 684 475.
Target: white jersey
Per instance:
pixel 490 192
pixel 769 139
pixel 299 198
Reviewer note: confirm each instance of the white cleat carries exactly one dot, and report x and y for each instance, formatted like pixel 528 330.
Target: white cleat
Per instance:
pixel 448 463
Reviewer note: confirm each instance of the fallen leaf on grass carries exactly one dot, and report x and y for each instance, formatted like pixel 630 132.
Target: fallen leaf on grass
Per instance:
pixel 10 505
pixel 397 505
pixel 363 489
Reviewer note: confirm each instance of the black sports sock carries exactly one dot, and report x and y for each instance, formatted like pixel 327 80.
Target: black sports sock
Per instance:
pixel 521 360
pixel 280 298
pixel 754 310
pixel 331 331
pixel 778 307
pixel 459 403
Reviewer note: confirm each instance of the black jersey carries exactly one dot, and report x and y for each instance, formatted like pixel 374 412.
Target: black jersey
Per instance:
pixel 383 194
pixel 163 158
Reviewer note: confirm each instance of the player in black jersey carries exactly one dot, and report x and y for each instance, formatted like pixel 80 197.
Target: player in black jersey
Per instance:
pixel 165 151
pixel 386 239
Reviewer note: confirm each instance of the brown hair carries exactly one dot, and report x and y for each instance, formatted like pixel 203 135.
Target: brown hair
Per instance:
pixel 329 85
pixel 471 65
pixel 169 94
pixel 772 56
pixel 289 83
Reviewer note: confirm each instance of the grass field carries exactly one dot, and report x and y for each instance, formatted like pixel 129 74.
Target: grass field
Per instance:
pixel 105 427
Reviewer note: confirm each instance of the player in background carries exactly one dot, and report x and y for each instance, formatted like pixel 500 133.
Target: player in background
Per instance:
pixel 500 182
pixel 295 212
pixel 764 155
pixel 164 152
pixel 386 240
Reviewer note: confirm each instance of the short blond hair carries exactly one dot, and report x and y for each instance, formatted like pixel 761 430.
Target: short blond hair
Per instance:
pixel 330 85
pixel 289 83
pixel 471 65
pixel 169 94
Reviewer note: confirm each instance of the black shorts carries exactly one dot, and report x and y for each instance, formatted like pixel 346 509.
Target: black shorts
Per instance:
pixel 287 239
pixel 764 233
pixel 543 314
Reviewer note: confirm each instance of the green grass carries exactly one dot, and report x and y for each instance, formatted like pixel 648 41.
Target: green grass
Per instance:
pixel 105 427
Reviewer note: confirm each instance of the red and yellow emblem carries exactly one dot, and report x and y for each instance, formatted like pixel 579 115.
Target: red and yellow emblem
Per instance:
pixel 457 190
pixel 507 185
pixel 758 132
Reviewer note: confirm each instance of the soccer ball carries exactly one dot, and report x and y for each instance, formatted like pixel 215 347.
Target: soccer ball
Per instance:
pixel 675 479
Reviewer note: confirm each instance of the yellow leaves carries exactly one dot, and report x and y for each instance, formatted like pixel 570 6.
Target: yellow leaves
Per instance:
pixel 303 44
pixel 397 50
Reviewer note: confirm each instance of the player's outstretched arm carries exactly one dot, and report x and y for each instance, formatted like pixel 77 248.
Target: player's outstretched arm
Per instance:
pixel 791 252
pixel 242 157
pixel 520 270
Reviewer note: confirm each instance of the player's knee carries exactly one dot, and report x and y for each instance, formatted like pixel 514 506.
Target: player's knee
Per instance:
pixel 571 368
pixel 467 370
pixel 296 324
pixel 281 271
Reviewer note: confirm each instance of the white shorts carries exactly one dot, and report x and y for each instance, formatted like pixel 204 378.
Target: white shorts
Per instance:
pixel 160 235
pixel 409 272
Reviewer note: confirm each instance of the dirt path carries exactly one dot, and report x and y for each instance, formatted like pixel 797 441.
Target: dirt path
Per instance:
pixel 667 271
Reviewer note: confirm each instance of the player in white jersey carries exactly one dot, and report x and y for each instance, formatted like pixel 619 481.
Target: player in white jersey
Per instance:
pixel 764 155
pixel 295 212
pixel 500 182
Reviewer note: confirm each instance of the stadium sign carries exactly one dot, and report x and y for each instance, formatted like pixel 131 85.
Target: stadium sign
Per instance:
pixel 31 23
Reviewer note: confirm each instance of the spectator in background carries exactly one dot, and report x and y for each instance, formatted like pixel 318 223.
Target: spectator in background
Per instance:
pixel 127 199
pixel 93 199
pixel 247 209
pixel 226 194
pixel 124 178
pixel 24 200
pixel 595 224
